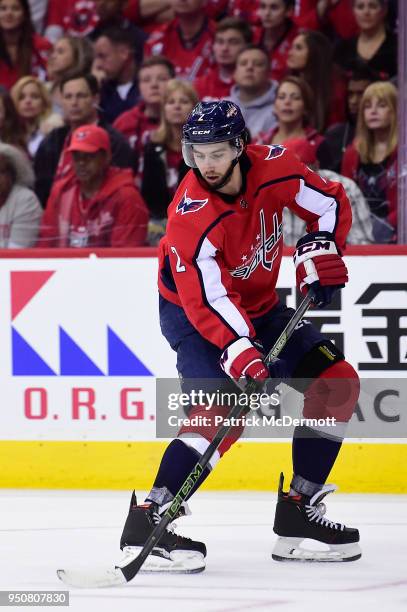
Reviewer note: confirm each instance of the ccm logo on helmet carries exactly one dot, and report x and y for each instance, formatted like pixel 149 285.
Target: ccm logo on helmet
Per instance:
pixel 199 132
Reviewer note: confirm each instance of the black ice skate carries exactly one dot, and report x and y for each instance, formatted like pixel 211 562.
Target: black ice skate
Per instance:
pixel 302 517
pixel 173 552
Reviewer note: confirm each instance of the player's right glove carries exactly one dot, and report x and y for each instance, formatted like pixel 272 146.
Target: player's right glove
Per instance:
pixel 319 266
pixel 242 360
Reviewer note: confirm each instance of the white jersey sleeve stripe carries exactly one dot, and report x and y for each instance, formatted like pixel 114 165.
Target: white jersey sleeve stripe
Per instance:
pixel 320 204
pixel 215 291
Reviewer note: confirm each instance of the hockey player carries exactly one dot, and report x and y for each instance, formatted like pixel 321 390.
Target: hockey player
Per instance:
pixel 219 264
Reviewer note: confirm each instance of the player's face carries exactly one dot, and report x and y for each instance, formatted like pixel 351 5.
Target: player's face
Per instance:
pixel 298 54
pixel 213 160
pixel 227 46
pixel 152 81
pixel 177 107
pixel 272 13
pixel 355 93
pixel 289 104
pixel 377 113
pixel 61 57
pixel 11 14
pixel 251 69
pixel 30 104
pixel 369 14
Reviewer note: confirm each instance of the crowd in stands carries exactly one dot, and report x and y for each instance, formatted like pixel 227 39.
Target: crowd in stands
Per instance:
pixel 94 93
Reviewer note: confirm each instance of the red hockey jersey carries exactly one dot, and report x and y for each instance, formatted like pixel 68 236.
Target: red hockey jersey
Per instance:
pixel 221 256
pixel 191 61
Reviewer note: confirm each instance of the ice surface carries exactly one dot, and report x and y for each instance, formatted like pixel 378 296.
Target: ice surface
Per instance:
pixel 45 530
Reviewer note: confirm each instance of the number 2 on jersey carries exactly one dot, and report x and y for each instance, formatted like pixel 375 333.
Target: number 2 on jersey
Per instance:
pixel 179 267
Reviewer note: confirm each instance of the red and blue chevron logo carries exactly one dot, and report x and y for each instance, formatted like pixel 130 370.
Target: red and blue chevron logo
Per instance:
pixel 71 358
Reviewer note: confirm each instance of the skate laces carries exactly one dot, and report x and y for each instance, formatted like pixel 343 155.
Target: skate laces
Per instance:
pixel 316 509
pixel 156 517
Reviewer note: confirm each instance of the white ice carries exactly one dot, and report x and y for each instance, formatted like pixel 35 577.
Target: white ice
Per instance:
pixel 45 530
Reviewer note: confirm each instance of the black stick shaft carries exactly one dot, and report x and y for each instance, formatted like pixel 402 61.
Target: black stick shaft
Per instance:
pixel 130 570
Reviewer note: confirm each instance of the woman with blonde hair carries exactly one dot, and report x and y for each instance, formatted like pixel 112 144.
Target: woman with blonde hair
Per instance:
pixel 33 105
pixel 164 166
pixel 371 159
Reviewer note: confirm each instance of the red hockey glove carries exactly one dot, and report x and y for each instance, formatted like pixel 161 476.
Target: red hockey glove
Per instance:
pixel 242 359
pixel 319 266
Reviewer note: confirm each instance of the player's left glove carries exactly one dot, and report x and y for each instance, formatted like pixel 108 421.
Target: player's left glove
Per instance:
pixel 319 266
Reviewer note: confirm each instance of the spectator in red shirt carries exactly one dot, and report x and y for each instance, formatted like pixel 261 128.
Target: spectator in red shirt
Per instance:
pixel 333 17
pixel 80 99
pixel 310 57
pixel 98 206
pixel 186 40
pixel 22 51
pixel 136 124
pixel 231 36
pixel 276 33
pixel 371 160
pixel 293 109
pixel 90 18
pixel 164 166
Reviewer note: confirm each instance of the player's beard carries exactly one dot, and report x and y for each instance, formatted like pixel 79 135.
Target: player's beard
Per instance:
pixel 222 181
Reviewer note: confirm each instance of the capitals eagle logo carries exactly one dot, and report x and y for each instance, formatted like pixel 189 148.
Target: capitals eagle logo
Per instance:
pixel 188 205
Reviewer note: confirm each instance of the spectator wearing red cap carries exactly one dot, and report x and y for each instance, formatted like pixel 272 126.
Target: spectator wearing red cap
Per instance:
pixel 186 40
pixel 231 36
pixel 293 109
pixel 98 206
pixel 293 227
pixel 80 103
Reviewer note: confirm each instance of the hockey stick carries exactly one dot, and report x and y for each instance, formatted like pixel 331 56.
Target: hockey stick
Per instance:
pixel 120 575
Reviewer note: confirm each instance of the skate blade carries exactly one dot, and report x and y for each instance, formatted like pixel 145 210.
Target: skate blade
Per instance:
pixel 83 579
pixel 176 562
pixel 289 549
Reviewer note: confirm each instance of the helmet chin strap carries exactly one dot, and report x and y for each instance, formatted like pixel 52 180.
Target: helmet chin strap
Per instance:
pixel 224 180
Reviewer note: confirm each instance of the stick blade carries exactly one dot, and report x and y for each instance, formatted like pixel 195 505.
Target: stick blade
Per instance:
pixel 83 579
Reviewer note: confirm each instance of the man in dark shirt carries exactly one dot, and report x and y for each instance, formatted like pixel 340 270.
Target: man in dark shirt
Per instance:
pixel 80 101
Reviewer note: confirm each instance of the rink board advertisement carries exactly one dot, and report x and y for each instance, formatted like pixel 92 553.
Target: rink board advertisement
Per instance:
pixel 82 347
